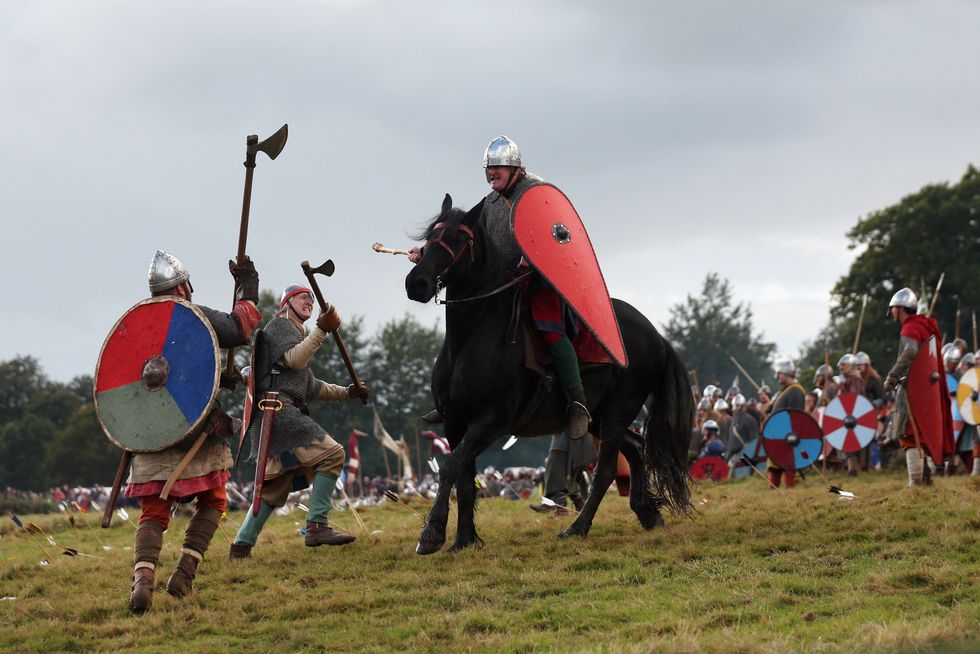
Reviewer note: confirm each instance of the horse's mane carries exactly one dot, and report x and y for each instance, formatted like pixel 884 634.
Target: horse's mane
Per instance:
pixel 489 269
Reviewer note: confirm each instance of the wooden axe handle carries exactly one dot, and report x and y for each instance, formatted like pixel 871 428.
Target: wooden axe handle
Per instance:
pixel 110 504
pixel 336 333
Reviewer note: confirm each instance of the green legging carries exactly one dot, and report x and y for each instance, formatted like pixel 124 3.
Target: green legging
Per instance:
pixel 249 532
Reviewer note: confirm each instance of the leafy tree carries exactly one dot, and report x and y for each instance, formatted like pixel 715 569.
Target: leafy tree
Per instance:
pixel 400 369
pixel 933 231
pixel 21 379
pixel 23 446
pixel 708 329
pixel 80 454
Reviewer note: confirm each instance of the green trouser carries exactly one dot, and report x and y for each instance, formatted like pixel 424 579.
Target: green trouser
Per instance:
pixel 566 368
pixel 249 532
pixel 320 501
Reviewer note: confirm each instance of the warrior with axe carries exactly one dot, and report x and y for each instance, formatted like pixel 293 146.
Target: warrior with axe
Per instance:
pixel 286 443
pixel 156 389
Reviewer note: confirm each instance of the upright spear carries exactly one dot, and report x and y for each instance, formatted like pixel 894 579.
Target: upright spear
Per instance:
pixel 857 335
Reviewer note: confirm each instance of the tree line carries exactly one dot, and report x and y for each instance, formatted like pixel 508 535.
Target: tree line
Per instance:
pixel 50 435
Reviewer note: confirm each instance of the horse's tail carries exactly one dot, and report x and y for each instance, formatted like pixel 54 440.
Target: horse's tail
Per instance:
pixel 668 433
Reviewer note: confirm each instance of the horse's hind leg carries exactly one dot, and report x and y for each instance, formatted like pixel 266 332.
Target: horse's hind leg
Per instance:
pixel 605 471
pixel 466 535
pixel 642 502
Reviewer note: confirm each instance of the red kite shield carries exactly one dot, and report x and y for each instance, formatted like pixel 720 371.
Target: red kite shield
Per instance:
pixel 554 241
pixel 928 401
pixel 157 375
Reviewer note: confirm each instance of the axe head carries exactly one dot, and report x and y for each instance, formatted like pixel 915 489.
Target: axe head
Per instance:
pixel 326 268
pixel 273 145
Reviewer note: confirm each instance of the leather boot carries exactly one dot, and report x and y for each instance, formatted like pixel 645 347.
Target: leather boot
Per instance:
pixel 239 551
pixel 144 578
pixel 181 581
pixel 318 533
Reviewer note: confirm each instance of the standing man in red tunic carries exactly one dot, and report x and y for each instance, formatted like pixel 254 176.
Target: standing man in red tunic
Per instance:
pixel 916 330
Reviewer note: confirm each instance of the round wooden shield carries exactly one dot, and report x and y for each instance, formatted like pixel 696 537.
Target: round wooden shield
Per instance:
pixel 755 450
pixel 157 375
pixel 710 467
pixel 849 422
pixel 966 397
pixel 792 439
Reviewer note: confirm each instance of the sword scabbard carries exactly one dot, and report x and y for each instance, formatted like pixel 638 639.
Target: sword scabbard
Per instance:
pixel 269 405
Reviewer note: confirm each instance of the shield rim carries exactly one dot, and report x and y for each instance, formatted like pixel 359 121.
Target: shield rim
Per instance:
pixel 619 331
pixel 214 385
pixel 790 413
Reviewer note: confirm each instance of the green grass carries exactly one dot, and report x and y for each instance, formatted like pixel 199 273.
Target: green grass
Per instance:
pixel 754 571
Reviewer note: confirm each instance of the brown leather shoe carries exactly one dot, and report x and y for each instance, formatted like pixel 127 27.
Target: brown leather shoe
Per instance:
pixel 318 534
pixel 239 551
pixel 142 596
pixel 181 581
pixel 578 420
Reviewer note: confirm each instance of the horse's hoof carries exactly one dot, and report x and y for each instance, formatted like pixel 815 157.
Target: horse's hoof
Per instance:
pixel 459 546
pixel 427 548
pixel 570 532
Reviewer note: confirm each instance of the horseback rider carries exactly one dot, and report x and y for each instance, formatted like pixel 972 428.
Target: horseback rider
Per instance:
pixel 552 318
pixel 298 445
pixel 204 477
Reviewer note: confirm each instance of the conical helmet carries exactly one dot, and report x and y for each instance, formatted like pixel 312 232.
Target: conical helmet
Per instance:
pixel 166 272
pixel 502 151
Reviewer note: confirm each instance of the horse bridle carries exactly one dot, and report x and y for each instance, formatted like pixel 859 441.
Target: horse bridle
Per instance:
pixel 455 257
pixel 468 245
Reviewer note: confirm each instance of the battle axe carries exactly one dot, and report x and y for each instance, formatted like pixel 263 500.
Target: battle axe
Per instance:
pixel 327 268
pixel 272 146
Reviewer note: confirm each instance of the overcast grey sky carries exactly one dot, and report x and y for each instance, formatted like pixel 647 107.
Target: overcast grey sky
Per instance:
pixel 742 138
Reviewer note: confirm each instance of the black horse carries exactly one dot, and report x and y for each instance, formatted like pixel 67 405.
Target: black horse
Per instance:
pixel 483 389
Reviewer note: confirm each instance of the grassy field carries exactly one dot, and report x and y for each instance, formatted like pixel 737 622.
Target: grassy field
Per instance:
pixel 754 571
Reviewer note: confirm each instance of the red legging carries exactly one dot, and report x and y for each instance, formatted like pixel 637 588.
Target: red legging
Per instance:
pixel 158 510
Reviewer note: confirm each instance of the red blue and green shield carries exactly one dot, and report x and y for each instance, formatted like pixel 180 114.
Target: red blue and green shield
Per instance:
pixel 553 239
pixel 157 375
pixel 792 439
pixel 849 422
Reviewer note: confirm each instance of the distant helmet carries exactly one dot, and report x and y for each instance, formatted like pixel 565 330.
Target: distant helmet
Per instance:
pixel 710 425
pixel 721 405
pixel 166 272
pixel 968 360
pixel 786 367
pixel 733 390
pixel 822 370
pixel 290 291
pixel 817 393
pixel 961 344
pixel 952 357
pixel 765 389
pixel 904 298
pixel 847 360
pixel 946 349
pixel 709 391
pixel 705 403
pixel 716 393
pixel 502 151
pixel 862 359
pixel 738 401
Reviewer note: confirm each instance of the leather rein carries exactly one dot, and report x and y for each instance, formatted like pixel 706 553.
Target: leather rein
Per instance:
pixel 468 245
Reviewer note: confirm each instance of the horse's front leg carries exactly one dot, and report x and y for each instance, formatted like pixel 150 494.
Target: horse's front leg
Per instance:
pixel 433 534
pixel 466 535
pixel 605 471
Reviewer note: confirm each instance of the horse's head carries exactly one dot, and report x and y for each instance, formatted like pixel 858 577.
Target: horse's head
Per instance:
pixel 448 253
